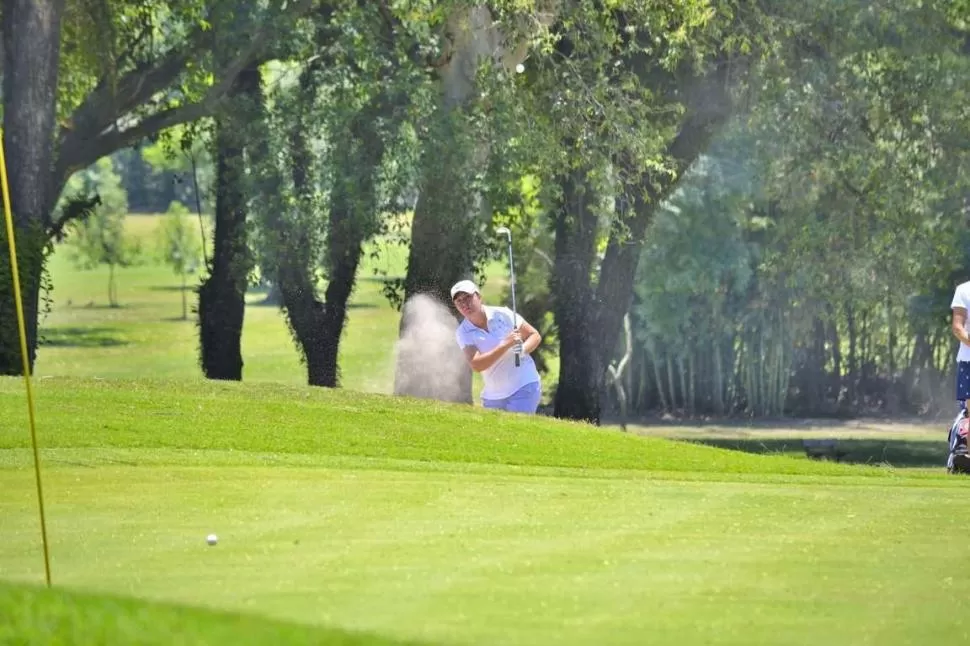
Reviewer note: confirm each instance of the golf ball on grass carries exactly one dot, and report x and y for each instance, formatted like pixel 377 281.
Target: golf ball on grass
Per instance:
pixel 211 539
pixel 520 68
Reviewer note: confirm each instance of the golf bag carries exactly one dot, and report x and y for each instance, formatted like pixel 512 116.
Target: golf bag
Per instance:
pixel 958 460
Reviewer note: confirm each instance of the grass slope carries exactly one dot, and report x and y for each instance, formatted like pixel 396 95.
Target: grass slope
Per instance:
pixel 289 420
pixel 35 615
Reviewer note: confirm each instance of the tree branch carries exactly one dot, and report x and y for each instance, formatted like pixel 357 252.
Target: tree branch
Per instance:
pixel 128 56
pixel 709 104
pixel 394 28
pixel 95 132
pixel 116 138
pixel 109 101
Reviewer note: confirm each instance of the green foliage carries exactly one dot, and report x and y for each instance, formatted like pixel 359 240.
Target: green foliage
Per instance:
pixel 849 150
pixel 184 154
pixel 99 239
pixel 179 245
pixel 695 274
pixel 844 249
pixel 532 255
pixel 357 112
pixel 33 249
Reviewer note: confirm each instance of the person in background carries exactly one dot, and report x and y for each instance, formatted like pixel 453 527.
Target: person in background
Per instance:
pixel 490 339
pixel 958 460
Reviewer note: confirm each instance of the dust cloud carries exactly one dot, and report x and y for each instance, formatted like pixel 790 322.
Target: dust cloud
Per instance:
pixel 429 363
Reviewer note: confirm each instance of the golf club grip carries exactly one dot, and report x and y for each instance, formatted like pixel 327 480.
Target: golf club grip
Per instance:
pixel 517 359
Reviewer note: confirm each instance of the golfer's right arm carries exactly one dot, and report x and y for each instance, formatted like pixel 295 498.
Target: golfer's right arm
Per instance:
pixel 481 361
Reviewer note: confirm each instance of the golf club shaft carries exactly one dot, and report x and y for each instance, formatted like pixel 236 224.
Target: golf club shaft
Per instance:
pixel 515 316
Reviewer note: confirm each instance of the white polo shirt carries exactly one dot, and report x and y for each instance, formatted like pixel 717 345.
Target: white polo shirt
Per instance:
pixel 961 298
pixel 503 379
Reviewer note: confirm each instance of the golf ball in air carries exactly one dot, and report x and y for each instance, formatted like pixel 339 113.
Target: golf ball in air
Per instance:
pixel 520 68
pixel 211 539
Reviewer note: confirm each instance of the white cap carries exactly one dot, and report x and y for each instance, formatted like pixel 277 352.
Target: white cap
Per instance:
pixel 466 286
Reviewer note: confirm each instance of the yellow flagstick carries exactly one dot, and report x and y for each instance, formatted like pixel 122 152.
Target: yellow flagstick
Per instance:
pixel 23 350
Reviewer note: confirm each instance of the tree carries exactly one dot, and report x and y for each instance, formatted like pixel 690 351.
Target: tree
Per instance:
pixel 222 294
pixel 179 246
pixel 624 102
pixel 99 238
pixel 322 195
pixel 691 68
pixel 806 266
pixel 120 84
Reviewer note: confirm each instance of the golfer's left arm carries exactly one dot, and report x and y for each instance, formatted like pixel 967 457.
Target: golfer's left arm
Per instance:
pixel 530 337
pixel 958 325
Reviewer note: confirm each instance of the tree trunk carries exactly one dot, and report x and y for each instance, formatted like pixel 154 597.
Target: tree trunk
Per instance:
pixel 709 107
pixel 682 377
pixel 185 304
pixel 865 343
pixel 353 219
pixel 691 384
pixel 581 370
pixel 853 361
pixel 448 203
pixel 273 297
pixel 295 269
pixel 222 295
pixel 31 257
pixel 31 51
pixel 655 360
pixel 836 342
pixel 719 381
pixel 443 227
pixel 816 369
pixel 893 341
pixel 112 289
pixel 671 384
pixel 305 313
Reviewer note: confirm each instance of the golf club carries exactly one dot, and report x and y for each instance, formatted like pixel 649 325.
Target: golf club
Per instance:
pixel 515 319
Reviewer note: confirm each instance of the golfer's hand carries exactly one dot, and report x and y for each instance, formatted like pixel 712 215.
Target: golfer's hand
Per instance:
pixel 514 339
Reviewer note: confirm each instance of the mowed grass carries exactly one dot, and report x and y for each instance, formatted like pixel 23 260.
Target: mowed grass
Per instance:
pixel 345 515
pixel 146 336
pixel 352 517
pixel 33 615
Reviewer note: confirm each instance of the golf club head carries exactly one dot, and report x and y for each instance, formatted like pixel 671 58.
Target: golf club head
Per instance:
pixel 504 231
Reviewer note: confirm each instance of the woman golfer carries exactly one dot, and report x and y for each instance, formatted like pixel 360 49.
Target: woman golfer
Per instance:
pixel 491 339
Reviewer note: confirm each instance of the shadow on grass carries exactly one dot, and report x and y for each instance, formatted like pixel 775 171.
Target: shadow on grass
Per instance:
pixel 171 288
pixel 81 337
pixel 896 452
pixel 274 304
pixel 91 305
pixel 380 279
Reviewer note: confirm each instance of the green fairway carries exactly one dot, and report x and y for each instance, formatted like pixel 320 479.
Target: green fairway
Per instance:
pixel 452 525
